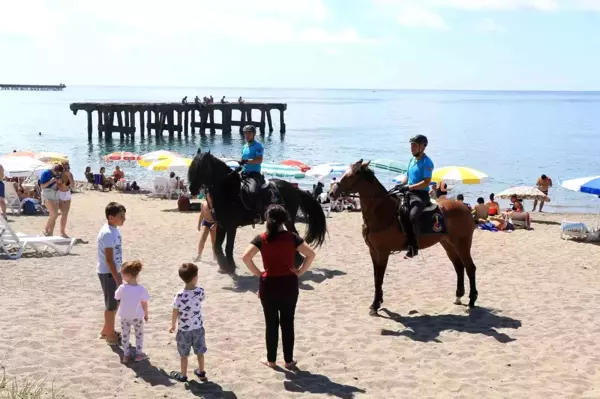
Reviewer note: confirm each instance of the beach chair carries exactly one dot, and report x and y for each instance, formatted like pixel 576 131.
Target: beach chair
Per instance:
pixel 12 199
pixel 14 244
pixel 579 231
pixel 160 187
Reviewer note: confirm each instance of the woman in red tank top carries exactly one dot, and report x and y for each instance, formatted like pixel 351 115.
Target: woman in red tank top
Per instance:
pixel 278 287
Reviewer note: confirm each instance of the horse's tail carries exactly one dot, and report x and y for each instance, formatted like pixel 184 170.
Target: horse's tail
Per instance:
pixel 317 223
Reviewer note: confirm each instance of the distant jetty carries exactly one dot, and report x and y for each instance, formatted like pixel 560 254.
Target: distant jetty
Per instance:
pixel 33 87
pixel 176 118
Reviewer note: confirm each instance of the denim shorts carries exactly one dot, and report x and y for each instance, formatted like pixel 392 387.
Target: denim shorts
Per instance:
pixel 186 340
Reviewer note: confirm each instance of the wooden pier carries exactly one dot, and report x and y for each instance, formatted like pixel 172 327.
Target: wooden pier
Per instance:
pixel 175 118
pixel 59 87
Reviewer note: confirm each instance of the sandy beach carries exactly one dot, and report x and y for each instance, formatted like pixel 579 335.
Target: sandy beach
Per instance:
pixel 534 334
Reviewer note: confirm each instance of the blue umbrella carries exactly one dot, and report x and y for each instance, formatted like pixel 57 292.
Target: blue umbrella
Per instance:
pixel 589 185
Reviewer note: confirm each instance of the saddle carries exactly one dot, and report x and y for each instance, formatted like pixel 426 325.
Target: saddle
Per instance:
pixel 267 194
pixel 431 222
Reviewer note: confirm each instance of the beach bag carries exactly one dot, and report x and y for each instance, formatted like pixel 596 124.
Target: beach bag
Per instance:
pixel 28 207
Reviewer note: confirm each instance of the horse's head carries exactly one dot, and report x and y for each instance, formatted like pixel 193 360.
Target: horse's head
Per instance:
pixel 205 171
pixel 357 177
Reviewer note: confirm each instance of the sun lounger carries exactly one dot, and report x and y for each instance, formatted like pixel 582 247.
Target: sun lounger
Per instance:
pixel 13 244
pixel 578 230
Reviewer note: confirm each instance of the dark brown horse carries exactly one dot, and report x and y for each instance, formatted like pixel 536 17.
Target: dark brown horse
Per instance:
pixel 383 234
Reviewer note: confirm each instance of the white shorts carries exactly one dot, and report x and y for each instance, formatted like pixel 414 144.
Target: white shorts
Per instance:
pixel 64 195
pixel 49 194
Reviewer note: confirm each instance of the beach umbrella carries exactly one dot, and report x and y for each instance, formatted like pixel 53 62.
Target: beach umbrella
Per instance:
pixel 171 164
pixel 524 192
pixel 389 165
pixel 297 164
pixel 147 159
pixel 588 185
pixel 458 174
pixel 51 157
pixel 22 166
pixel 284 171
pixel 21 154
pixel 121 156
pixel 331 169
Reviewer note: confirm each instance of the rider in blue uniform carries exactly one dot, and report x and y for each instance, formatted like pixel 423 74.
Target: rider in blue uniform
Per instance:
pixel 416 183
pixel 252 157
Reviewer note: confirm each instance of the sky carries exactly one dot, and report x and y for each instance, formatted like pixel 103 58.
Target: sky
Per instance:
pixel 378 44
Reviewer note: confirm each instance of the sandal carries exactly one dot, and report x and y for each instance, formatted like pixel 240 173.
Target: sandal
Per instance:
pixel 176 375
pixel 292 365
pixel 140 357
pixel 200 374
pixel 268 364
pixel 118 334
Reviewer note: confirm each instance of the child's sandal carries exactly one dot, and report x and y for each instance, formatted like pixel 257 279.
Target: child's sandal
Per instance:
pixel 200 374
pixel 176 375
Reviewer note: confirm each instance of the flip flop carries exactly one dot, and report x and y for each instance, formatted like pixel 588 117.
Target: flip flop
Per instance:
pixel 266 363
pixel 292 365
pixel 140 357
pixel 176 375
pixel 200 374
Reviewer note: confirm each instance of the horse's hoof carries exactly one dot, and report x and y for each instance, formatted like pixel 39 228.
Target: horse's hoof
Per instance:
pixel 373 312
pixel 472 304
pixel 458 301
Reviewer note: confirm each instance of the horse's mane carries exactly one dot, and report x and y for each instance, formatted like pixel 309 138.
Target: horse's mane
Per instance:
pixel 206 170
pixel 368 175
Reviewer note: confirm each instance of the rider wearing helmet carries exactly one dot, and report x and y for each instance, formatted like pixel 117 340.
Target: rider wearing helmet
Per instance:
pixel 252 157
pixel 416 183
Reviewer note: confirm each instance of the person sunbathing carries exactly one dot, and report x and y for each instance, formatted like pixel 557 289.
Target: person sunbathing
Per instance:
pixel 518 213
pixel 480 211
pixel 107 182
pixel 493 206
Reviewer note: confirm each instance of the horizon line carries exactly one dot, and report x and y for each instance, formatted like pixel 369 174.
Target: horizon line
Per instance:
pixel 341 88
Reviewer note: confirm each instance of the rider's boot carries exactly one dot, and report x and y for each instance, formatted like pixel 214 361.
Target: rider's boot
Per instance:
pixel 412 241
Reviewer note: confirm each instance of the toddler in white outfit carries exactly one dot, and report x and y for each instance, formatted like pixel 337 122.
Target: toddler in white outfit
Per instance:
pixel 133 310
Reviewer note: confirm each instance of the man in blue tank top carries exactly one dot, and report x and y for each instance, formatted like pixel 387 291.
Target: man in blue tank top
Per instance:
pixel 252 157
pixel 416 183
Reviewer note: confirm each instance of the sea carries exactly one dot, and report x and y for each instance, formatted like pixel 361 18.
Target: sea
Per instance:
pixel 512 136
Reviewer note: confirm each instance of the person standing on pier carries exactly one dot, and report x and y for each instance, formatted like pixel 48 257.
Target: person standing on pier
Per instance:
pixel 252 157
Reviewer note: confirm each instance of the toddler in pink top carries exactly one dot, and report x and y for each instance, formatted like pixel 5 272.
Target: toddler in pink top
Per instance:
pixel 133 310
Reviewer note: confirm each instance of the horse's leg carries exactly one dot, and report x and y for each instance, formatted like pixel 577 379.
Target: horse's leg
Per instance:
pixel 464 251
pixel 231 233
pixel 299 259
pixel 380 261
pixel 458 267
pixel 218 247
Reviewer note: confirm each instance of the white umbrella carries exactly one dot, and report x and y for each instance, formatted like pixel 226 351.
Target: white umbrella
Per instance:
pixel 22 166
pixel 331 169
pixel 524 192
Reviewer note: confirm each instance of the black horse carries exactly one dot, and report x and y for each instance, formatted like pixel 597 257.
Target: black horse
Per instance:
pixel 231 209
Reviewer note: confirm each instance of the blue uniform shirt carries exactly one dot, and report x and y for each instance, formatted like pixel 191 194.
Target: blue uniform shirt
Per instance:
pixel 419 170
pixel 252 151
pixel 46 176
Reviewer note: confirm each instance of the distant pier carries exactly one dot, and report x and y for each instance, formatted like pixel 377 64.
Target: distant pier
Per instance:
pixel 175 118
pixel 59 87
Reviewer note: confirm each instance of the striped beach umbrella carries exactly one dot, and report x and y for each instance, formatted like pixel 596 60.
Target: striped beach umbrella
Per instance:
pixel 121 156
pixel 588 185
pixel 171 165
pixel 51 157
pixel 147 159
pixel 389 165
pixel 458 174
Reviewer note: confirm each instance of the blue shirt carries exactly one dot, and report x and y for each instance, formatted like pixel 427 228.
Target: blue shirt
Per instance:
pixel 46 176
pixel 419 170
pixel 252 151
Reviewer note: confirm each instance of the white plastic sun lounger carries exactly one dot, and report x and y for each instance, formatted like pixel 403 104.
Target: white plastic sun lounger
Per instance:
pixel 14 244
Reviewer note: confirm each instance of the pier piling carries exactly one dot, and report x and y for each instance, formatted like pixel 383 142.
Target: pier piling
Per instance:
pixel 175 117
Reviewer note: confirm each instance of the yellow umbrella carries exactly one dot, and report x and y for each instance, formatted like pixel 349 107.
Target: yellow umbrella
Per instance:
pixel 147 159
pixel 458 174
pixel 171 164
pixel 52 157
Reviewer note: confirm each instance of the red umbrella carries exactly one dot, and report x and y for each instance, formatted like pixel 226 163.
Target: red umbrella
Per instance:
pixel 122 156
pixel 296 164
